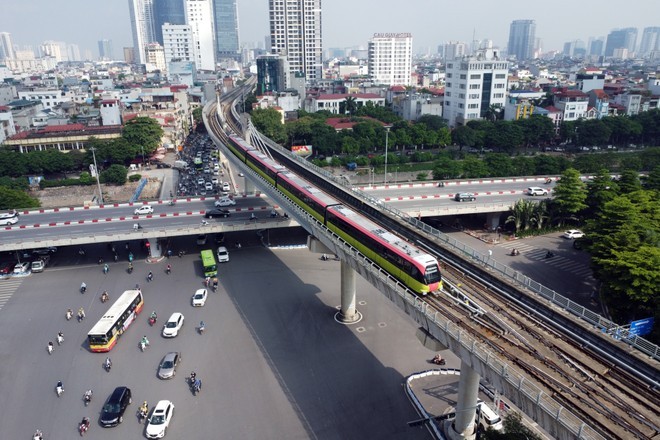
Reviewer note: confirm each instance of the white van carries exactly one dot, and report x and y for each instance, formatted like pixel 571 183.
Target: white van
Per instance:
pixel 488 418
pixel 9 218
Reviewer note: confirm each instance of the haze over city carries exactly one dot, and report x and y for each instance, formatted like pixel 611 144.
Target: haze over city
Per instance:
pixel 345 23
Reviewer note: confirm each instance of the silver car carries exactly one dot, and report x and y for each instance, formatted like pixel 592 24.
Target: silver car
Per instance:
pixel 167 367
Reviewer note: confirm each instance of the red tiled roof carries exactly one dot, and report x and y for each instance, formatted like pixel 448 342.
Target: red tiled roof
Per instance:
pixel 4 108
pixel 600 93
pixel 397 89
pixel 109 101
pixel 571 93
pixel 66 130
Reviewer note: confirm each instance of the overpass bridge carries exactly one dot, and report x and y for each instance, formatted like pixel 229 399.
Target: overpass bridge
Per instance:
pixel 477 360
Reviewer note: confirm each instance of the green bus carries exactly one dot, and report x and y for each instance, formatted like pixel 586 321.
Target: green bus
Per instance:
pixel 209 264
pixel 198 163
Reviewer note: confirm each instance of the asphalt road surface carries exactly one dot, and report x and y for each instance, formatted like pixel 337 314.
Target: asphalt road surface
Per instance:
pixel 273 362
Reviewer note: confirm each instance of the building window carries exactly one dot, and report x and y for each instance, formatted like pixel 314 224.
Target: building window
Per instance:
pixel 461 95
pixel 463 76
pixel 474 96
pixel 475 76
pixel 473 105
pixel 500 75
pixel 448 94
pixel 449 75
pixel 475 86
pixel 461 86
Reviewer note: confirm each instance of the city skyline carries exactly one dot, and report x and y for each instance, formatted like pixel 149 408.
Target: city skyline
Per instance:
pixel 554 26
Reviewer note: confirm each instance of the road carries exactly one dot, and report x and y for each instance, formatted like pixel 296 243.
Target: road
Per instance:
pixel 273 362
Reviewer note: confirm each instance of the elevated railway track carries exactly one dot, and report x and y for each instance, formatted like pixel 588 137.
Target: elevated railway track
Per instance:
pixel 613 389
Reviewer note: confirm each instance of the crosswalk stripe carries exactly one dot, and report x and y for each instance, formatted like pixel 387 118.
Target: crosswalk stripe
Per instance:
pixel 7 290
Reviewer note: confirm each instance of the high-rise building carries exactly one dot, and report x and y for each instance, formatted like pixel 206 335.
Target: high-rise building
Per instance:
pixel 129 55
pixel 225 15
pixel 178 42
pixel 295 32
pixel 199 16
pixel 105 50
pixel 6 46
pixel 142 24
pixel 155 58
pixel 621 39
pixel 455 49
pixel 474 85
pixel 167 11
pixel 73 52
pixel 522 35
pixel 272 74
pixel 390 59
pixel 650 41
pixel 596 46
pixel 55 49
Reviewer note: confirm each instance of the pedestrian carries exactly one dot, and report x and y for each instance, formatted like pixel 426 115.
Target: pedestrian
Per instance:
pixel 169 253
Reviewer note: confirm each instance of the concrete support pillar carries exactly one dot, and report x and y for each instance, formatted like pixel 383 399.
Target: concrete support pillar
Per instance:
pixel 155 251
pixel 464 426
pixel 249 187
pixel 493 220
pixel 348 314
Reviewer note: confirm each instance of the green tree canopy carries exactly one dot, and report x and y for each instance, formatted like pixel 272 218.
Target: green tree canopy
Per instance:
pixel 115 174
pixel 16 199
pixel 569 195
pixel 464 136
pixel 143 132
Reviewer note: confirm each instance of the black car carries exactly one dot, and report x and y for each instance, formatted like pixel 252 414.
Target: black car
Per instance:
pixel 113 410
pixel 213 213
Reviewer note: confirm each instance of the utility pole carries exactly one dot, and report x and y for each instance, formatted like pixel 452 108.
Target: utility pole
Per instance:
pixel 387 135
pixel 96 170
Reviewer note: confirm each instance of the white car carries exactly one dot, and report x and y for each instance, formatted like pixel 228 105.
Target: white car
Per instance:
pixel 160 419
pixel 573 233
pixel 173 325
pixel 21 269
pixel 199 298
pixel 208 186
pixel 214 180
pixel 537 191
pixel 146 209
pixel 226 187
pixel 223 255
pixel 224 201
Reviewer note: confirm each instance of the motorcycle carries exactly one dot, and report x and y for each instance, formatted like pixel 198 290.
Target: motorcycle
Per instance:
pixel 69 314
pixel 201 328
pixel 130 268
pixel 143 412
pixel 50 348
pixel 83 288
pixel 104 297
pixel 549 255
pixel 168 270
pixel 107 365
pixel 59 388
pixel 38 435
pixel 438 360
pixel 84 426
pixel 105 269
pixel 150 277
pixel 130 258
pixel 144 345
pixel 152 320
pixel 171 203
pixel 87 397
pixel 514 252
pixel 60 338
pixel 197 386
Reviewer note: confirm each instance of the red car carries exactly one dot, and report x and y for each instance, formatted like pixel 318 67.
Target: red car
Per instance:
pixel 7 268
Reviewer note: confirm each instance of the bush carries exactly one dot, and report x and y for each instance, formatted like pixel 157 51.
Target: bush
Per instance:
pixel 115 174
pixel 65 182
pixel 422 176
pixel 134 177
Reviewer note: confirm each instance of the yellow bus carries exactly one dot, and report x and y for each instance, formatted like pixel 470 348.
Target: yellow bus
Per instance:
pixel 103 336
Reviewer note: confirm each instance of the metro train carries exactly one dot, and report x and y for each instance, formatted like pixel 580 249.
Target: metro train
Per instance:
pixel 416 269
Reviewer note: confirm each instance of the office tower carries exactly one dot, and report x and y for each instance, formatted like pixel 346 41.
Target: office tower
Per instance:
pixel 295 32
pixel 474 85
pixel 178 42
pixel 650 41
pixel 225 15
pixel 390 59
pixel 167 11
pixel 272 74
pixel 6 46
pixel 199 16
pixel 596 46
pixel 621 39
pixel 455 49
pixel 105 50
pixel 142 24
pixel 522 35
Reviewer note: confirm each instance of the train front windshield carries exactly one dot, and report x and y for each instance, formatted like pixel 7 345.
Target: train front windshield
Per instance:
pixel 432 274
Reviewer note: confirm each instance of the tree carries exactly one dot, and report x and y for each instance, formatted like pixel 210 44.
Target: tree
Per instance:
pixel 653 181
pixel 493 112
pixel 464 136
pixel 498 164
pixel 269 122
pixel 115 174
pixel 432 122
pixel 514 429
pixel 600 190
pixel 570 196
pixel 521 214
pixel 197 115
pixel 445 168
pixel 143 132
pixel 505 136
pixel 474 167
pixel 536 129
pixel 629 182
pixel 350 146
pixel 15 199
pixel 594 132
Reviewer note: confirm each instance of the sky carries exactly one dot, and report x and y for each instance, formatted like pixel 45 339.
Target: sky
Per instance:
pixel 346 23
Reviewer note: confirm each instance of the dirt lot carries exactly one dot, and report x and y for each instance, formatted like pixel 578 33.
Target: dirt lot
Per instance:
pixel 81 195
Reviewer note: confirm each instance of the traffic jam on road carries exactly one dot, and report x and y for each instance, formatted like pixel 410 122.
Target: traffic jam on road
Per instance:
pixel 201 173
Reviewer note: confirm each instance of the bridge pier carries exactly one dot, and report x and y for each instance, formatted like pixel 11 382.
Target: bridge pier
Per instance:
pixel 493 220
pixel 248 186
pixel 463 426
pixel 155 251
pixel 348 314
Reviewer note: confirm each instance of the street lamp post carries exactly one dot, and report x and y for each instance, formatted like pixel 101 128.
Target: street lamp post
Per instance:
pixel 387 135
pixel 98 182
